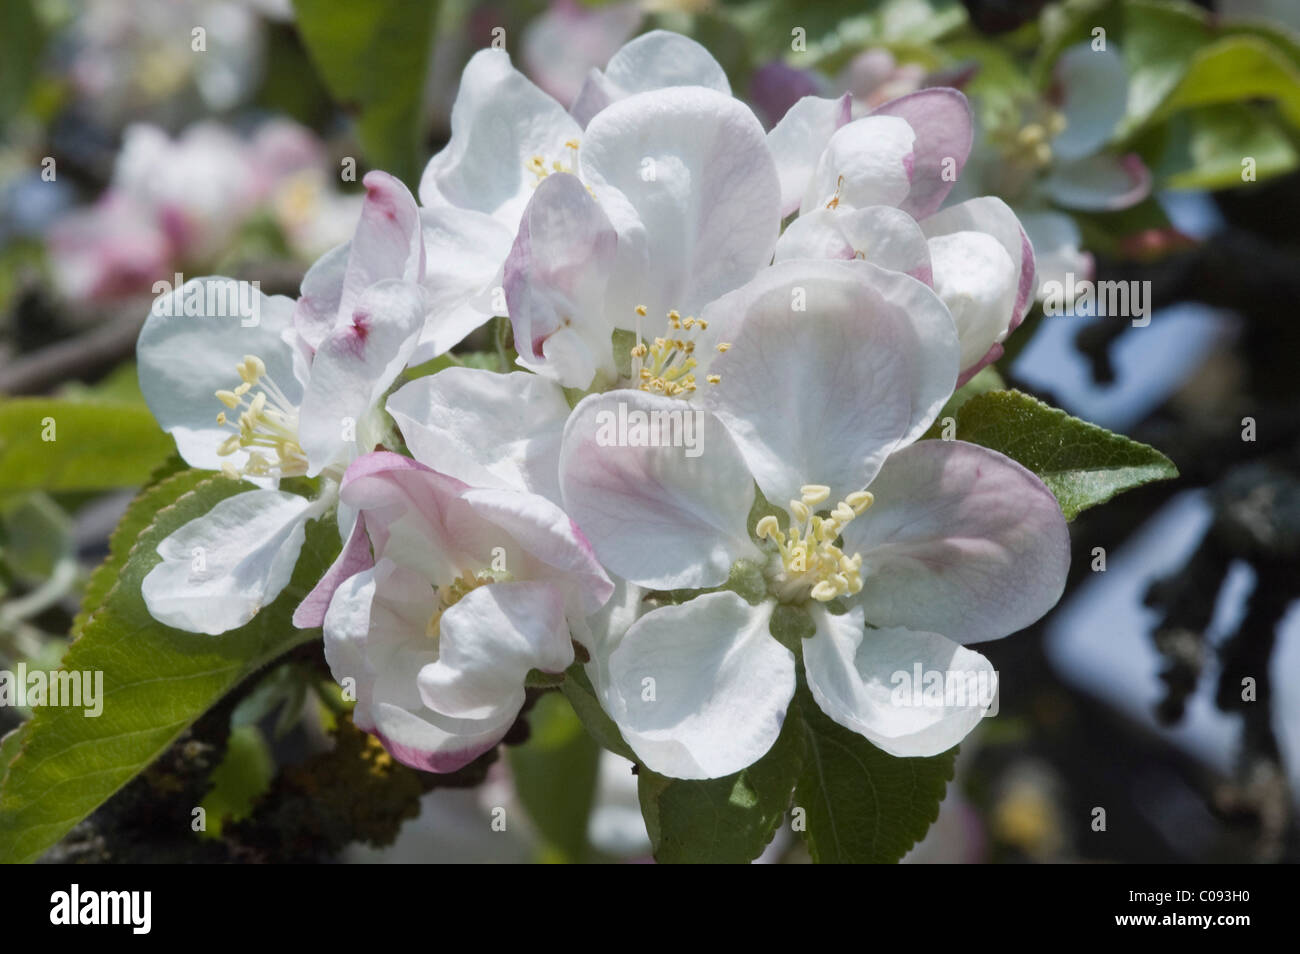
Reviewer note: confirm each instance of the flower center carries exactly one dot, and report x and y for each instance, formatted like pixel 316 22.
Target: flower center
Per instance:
pixel 666 366
pixel 267 425
pixel 454 592
pixel 811 563
pixel 537 164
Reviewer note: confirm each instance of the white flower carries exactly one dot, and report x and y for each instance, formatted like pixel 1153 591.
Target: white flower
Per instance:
pixel 470 589
pixel 932 544
pixel 263 389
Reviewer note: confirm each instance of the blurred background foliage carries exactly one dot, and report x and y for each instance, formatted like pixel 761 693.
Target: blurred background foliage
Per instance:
pixel 144 138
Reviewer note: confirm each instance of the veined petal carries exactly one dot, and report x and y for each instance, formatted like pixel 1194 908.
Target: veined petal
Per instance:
pixel 191 346
pixel 797 142
pixel 487 429
pixel 879 234
pixel 864 681
pixel 354 366
pixel 702 688
pixel 352 559
pixel 218 570
pixel 654 60
pixel 665 507
pixel 388 243
pixel 685 176
pixel 944 126
pixel 489 641
pixel 832 367
pixel 867 162
pixel 499 123
pixel 960 540
pixel 321 291
pixel 1101 183
pixel 555 280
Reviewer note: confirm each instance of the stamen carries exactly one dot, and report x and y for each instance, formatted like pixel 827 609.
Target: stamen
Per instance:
pixel 811 562
pixel 268 421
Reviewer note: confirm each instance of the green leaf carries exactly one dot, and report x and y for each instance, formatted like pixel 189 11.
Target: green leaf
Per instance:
pixel 55 444
pixel 244 775
pixel 723 820
pixel 986 379
pixel 1081 463
pixel 21 42
pixel 374 57
pixel 1235 69
pixel 861 805
pixel 578 690
pixel 1206 146
pixel 156 680
pixel 555 775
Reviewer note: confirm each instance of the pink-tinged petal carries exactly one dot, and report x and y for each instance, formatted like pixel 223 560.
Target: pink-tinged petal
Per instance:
pixel 376 644
pixel 944 127
pixel 870 161
pixel 552 547
pixel 499 123
pixel 960 540
pixel 977 280
pixel 686 178
pixel 865 681
pixel 665 508
pixel 487 429
pixel 1057 254
pixel 655 60
pixel 352 559
pixel 879 234
pixel 1102 183
pixel 832 367
pixel 353 368
pixel 555 280
pixel 1092 90
pixel 317 308
pixel 994 217
pixel 701 690
pixel 407 510
pixel 387 243
pixel 798 140
pixel 488 642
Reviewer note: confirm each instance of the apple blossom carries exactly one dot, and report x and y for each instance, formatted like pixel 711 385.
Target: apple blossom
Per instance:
pixel 305 382
pixel 899 551
pixel 470 589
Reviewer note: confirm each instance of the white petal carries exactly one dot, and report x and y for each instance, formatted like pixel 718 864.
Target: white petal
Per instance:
pixel 799 139
pixel 867 162
pixel 387 244
pixel 865 683
pixel 703 687
pixel 465 251
pixel 375 637
pixel 654 60
pixel 879 234
pixel 317 307
pixel 821 394
pixel 1057 253
pixel 1101 183
pixel 960 540
pixel 656 515
pixel 944 126
pixel 218 570
pixel 685 176
pixel 555 280
pixel 977 281
pixel 487 429
pixel 1094 91
pixel 186 356
pixel 353 368
pixel 499 122
pixel 489 641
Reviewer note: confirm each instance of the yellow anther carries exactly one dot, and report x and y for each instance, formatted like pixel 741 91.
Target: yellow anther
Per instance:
pixel 860 500
pixel 800 510
pixel 713 378
pixel 640 310
pixel 221 418
pixel 767 527
pixel 267 422
pixel 724 347
pixel 229 399
pixel 571 143
pixel 835 199
pixel 813 494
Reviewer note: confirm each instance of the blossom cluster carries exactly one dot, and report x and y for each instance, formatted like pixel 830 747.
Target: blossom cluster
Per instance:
pixel 731 344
